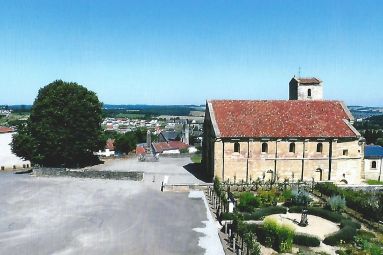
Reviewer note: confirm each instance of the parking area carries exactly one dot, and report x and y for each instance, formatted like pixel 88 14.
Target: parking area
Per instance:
pixel 178 170
pixel 63 215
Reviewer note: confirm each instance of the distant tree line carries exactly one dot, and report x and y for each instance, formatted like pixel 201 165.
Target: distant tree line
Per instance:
pixel 127 142
pixel 371 129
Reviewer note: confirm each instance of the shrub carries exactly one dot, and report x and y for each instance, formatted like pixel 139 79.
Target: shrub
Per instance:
pixel 345 234
pixel 227 216
pixel 300 197
pixel 336 203
pixel 320 212
pixel 268 198
pixel 369 204
pixel 248 202
pixel 251 242
pixel 263 212
pixel 348 222
pixel 279 237
pixel 306 240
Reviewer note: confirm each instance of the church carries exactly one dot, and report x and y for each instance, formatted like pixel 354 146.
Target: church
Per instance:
pixel 303 138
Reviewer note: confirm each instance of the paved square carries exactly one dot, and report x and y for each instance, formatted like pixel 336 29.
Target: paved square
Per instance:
pixel 40 215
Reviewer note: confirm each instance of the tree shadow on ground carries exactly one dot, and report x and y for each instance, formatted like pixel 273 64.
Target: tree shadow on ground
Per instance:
pixel 197 170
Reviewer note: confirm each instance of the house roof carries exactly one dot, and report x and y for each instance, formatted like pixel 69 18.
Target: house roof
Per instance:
pixel 308 80
pixel 140 150
pixel 373 151
pixel 5 130
pixel 170 135
pixel 171 145
pixel 281 119
pixel 110 144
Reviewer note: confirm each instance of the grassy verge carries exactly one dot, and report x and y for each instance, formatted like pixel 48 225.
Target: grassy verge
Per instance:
pixel 196 158
pixel 374 182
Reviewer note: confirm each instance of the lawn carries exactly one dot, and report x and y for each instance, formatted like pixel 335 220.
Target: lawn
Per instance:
pixel 196 158
pixel 374 182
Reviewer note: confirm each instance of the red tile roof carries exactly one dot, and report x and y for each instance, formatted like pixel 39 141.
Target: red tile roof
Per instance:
pixel 308 80
pixel 171 145
pixel 281 119
pixel 110 144
pixel 140 150
pixel 5 130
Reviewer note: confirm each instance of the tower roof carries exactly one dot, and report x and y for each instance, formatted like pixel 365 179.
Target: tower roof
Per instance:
pixel 307 80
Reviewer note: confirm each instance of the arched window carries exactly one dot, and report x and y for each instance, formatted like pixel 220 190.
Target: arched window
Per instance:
pixel 265 147
pixel 292 147
pixel 373 164
pixel 236 147
pixel 320 147
pixel 309 92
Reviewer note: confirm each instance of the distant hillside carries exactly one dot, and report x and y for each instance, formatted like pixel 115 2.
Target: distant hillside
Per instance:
pixel 362 112
pixel 359 112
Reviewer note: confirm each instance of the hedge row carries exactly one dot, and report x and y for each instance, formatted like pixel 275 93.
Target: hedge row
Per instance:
pixel 320 212
pixel 258 214
pixel 306 240
pixel 345 234
pixel 366 203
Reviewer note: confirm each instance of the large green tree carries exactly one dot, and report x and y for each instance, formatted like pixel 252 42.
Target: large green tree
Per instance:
pixel 63 129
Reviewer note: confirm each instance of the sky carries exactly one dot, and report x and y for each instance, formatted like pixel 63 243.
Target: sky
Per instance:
pixel 185 52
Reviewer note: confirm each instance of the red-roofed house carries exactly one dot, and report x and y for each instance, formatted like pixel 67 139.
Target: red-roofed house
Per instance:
pixel 4 130
pixel 171 147
pixel 282 139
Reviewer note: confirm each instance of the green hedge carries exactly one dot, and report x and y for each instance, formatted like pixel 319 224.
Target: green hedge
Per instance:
pixel 259 214
pixel 346 234
pixel 306 240
pixel 320 212
pixel 348 222
pixel 370 205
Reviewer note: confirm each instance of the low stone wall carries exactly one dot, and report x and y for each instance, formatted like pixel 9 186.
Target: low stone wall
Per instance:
pixel 185 187
pixel 115 175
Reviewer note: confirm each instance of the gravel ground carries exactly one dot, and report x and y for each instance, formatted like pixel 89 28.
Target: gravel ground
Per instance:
pixel 41 215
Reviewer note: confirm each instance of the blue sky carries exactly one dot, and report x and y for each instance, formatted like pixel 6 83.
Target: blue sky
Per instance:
pixel 184 52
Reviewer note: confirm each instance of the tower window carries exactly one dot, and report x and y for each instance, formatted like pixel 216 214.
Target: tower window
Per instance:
pixel 292 147
pixel 309 92
pixel 236 147
pixel 265 147
pixel 345 152
pixel 373 164
pixel 320 147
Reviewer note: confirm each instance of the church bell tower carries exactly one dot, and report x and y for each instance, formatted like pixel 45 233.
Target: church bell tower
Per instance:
pixel 309 88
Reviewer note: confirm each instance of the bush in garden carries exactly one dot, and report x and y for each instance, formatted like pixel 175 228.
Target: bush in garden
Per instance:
pixel 279 237
pixel 287 194
pixel 348 222
pixel 345 234
pixel 248 202
pixel 368 204
pixel 270 227
pixel 253 246
pixel 269 197
pixel 320 212
pixel 336 203
pixel 263 212
pixel 285 239
pixel 306 240
pixel 300 197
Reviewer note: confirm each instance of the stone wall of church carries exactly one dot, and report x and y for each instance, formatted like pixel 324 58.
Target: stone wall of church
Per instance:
pixel 307 162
